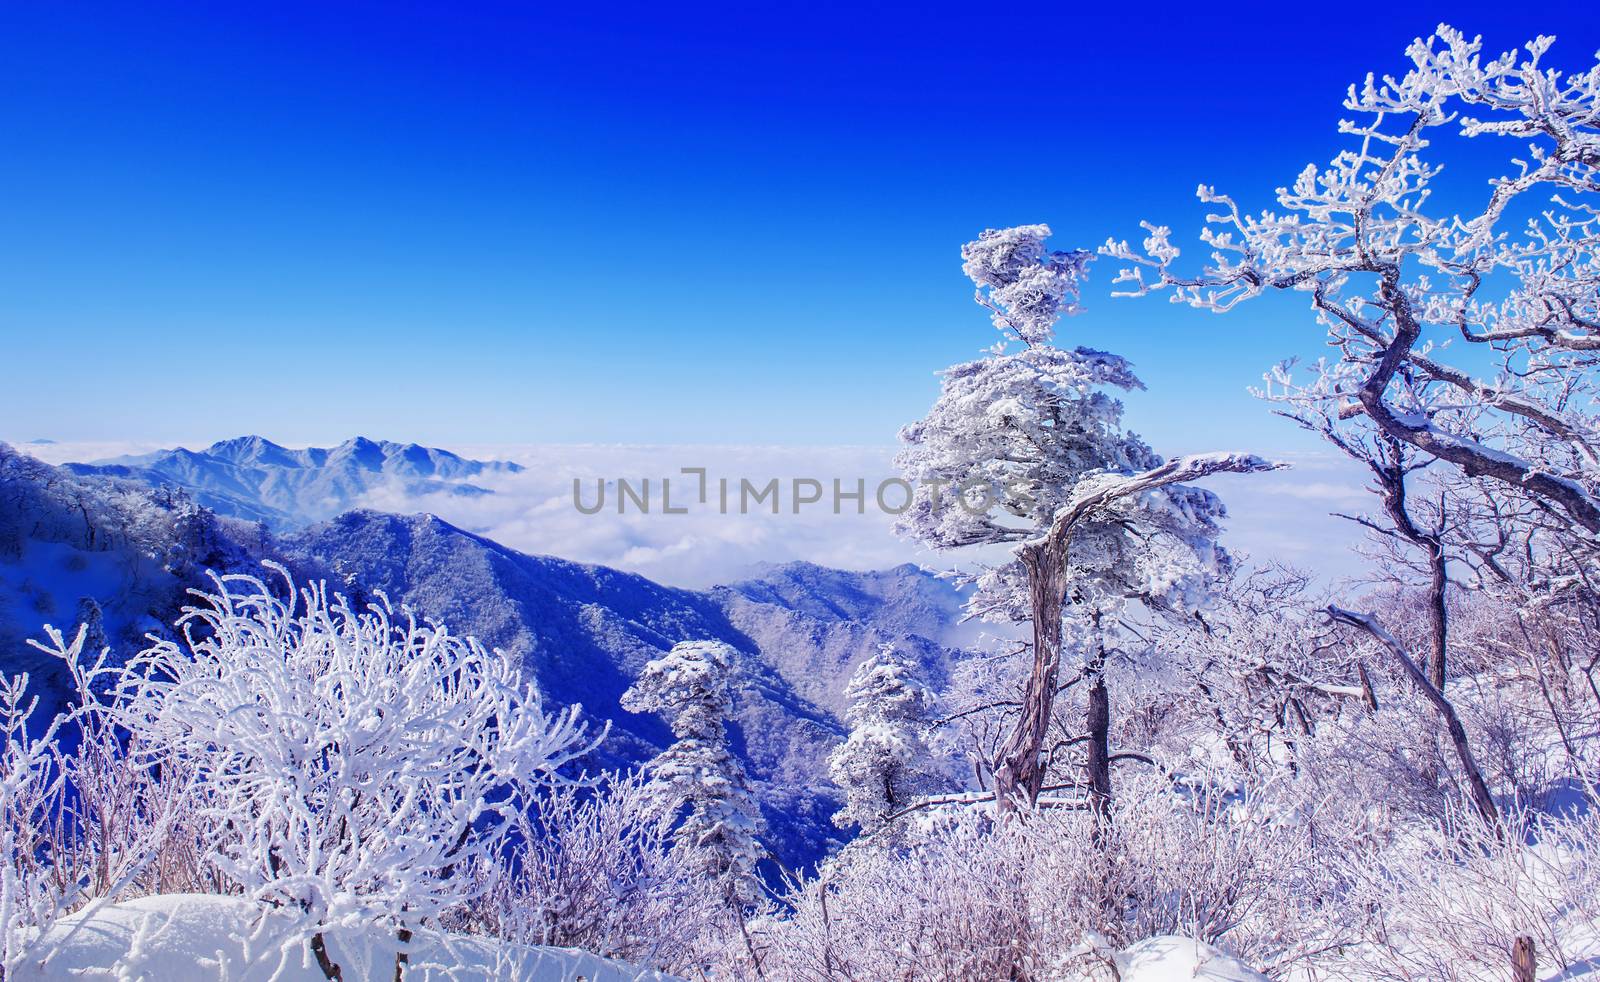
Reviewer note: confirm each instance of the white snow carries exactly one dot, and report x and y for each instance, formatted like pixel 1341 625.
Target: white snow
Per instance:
pixel 194 937
pixel 1173 959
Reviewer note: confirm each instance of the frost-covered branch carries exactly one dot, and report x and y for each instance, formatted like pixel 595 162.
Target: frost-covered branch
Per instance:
pixel 1482 800
pixel 1105 491
pixel 1389 275
pixel 353 764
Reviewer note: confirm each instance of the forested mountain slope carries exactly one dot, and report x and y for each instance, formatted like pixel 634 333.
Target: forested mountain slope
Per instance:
pixel 582 631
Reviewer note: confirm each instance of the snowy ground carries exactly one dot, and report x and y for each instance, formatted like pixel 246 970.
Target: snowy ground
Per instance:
pixel 191 937
pixel 1170 959
pixel 194 937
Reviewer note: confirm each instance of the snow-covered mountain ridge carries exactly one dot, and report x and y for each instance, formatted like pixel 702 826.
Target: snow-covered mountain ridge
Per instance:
pixel 255 479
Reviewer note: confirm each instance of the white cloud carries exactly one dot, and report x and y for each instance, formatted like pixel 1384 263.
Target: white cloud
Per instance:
pixel 534 511
pixel 1317 491
pixel 1281 516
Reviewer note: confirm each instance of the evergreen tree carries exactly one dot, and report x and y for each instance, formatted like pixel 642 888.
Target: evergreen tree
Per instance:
pixel 885 764
pixel 1025 448
pixel 698 777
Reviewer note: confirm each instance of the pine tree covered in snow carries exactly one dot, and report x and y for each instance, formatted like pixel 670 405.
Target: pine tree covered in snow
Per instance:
pixel 1026 421
pixel 1030 426
pixel 698 776
pixel 885 764
pixel 1026 448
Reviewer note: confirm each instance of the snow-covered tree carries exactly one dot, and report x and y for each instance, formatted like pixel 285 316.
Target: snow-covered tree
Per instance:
pixel 352 764
pixel 1392 271
pixel 698 780
pixel 1410 539
pixel 93 624
pixel 1396 263
pixel 1025 448
pixel 1026 421
pixel 885 764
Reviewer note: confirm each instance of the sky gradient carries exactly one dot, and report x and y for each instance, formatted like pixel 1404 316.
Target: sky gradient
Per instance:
pixel 481 223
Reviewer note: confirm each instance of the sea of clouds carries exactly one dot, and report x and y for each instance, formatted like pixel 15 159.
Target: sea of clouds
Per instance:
pixel 1284 516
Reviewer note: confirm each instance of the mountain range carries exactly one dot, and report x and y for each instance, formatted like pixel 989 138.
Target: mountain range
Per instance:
pixel 133 540
pixel 255 479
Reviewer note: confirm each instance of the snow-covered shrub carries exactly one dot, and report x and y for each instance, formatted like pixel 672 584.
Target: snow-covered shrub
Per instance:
pixel 952 903
pixel 698 781
pixel 127 825
pixel 30 784
pixel 352 764
pixel 1230 868
pixel 1450 902
pixel 1052 891
pixel 82 821
pixel 597 868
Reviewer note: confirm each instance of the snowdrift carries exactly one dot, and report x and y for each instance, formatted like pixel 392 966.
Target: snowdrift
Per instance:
pixel 1175 959
pixel 194 937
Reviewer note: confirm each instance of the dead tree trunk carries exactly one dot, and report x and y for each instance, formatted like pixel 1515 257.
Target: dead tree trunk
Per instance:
pixel 1369 695
pixel 1438 613
pixel 1392 485
pixel 1098 719
pixel 401 957
pixel 330 968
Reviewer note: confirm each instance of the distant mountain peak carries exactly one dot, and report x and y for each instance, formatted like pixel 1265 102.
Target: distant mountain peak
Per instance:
pixel 252 449
pixel 364 452
pixel 239 443
pixel 253 478
pixel 582 632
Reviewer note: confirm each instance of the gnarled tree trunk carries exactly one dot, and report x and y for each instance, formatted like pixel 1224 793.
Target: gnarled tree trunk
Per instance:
pixel 1098 767
pixel 1021 770
pixel 1020 773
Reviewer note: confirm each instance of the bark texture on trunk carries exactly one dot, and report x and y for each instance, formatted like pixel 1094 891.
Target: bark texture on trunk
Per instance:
pixel 1524 966
pixel 319 948
pixel 1392 484
pixel 1020 775
pixel 1098 719
pixel 1438 614
pixel 401 958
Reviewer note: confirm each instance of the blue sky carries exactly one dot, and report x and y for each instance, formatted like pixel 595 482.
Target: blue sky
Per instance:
pixel 655 224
